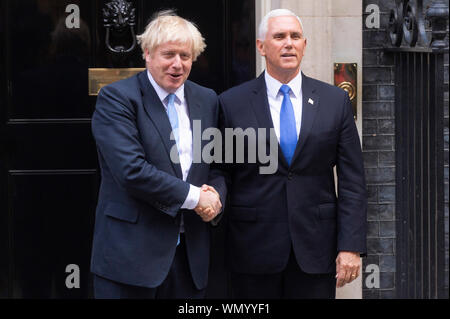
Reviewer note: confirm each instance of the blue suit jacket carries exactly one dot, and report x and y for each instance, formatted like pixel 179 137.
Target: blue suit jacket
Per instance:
pixel 297 206
pixel 138 213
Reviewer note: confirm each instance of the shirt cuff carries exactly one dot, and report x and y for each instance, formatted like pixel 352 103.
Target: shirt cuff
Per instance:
pixel 192 198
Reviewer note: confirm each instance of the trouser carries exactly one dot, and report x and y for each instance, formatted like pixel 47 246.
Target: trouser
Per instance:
pixel 291 283
pixel 177 285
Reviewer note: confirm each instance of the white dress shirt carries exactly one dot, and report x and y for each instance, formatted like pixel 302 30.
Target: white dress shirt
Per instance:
pixel 275 98
pixel 185 137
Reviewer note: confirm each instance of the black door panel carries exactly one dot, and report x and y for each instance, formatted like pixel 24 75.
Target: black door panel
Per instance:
pixel 48 163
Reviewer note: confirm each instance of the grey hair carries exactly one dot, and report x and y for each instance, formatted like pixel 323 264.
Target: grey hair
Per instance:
pixel 264 25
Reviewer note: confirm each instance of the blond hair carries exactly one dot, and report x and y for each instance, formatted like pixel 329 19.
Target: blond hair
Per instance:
pixel 165 27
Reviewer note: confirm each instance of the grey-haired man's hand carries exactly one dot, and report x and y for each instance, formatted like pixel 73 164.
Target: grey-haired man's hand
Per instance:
pixel 209 204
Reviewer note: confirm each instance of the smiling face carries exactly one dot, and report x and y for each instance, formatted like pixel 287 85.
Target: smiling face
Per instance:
pixel 170 64
pixel 283 47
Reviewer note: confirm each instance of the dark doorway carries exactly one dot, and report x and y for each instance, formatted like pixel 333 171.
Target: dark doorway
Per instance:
pixel 48 163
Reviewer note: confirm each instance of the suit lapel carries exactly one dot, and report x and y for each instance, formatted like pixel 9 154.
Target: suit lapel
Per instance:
pixel 157 114
pixel 260 103
pixel 195 114
pixel 309 110
pixel 261 108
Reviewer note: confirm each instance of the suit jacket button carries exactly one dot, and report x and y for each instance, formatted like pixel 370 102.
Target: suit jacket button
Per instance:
pixel 290 176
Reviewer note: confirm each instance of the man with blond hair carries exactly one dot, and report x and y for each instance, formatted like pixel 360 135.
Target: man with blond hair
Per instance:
pixel 288 235
pixel 151 237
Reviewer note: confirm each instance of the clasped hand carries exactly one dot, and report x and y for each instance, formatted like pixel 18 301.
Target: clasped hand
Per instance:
pixel 209 205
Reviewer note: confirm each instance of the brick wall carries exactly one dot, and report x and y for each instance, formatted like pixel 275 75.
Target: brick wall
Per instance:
pixel 379 152
pixel 446 164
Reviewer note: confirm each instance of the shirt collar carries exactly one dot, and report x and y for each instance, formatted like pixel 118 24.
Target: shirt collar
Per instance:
pixel 162 94
pixel 273 85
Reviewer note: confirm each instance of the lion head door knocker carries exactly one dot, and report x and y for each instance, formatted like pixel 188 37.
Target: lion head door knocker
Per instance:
pixel 119 21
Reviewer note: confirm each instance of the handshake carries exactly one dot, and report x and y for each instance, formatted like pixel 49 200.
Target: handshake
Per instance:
pixel 209 204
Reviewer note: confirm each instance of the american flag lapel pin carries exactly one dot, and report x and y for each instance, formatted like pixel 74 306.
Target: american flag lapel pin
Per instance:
pixel 310 101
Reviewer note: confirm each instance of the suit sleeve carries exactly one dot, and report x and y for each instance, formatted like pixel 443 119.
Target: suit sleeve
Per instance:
pixel 352 195
pixel 118 142
pixel 219 172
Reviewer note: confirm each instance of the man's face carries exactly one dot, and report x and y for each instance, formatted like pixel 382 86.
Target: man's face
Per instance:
pixel 170 64
pixel 283 46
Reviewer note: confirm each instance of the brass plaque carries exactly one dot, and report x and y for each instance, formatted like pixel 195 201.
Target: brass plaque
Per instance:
pixel 98 78
pixel 345 77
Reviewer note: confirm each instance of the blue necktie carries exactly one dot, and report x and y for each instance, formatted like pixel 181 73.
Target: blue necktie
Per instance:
pixel 288 131
pixel 173 118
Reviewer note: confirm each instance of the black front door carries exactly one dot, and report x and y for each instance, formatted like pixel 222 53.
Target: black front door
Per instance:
pixel 48 165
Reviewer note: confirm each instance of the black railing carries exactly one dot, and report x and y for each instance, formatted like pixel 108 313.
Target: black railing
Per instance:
pixel 419 146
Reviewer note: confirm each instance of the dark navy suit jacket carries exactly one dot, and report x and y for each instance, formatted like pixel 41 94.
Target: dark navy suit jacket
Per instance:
pixel 297 206
pixel 142 191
